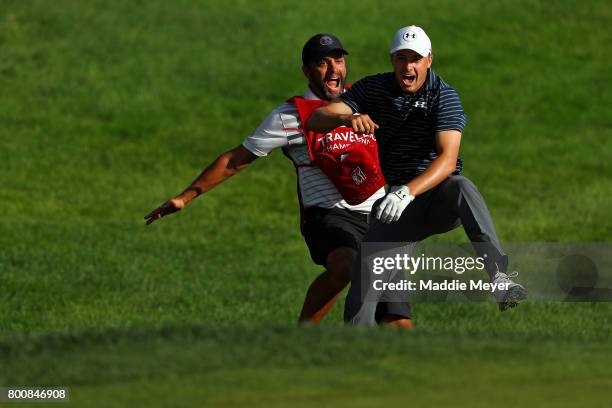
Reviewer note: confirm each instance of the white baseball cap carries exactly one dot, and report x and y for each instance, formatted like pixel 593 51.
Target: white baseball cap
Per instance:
pixel 411 38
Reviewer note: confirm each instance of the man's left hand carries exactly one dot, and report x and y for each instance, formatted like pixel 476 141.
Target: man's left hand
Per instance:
pixel 393 205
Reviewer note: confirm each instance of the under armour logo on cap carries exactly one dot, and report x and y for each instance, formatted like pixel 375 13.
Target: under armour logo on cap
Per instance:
pixel 408 35
pixel 411 38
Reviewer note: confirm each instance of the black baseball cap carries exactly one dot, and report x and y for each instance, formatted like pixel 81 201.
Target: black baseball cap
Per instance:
pixel 319 45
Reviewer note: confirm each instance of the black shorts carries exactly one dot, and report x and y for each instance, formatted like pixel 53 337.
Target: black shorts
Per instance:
pixel 326 229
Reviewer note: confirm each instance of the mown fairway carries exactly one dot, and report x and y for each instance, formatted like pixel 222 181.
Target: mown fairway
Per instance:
pixel 109 108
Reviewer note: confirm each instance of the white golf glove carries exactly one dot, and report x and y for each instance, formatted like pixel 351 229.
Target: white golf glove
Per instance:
pixel 394 204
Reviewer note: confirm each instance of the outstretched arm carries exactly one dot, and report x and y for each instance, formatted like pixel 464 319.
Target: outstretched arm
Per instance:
pixel 224 167
pixel 336 114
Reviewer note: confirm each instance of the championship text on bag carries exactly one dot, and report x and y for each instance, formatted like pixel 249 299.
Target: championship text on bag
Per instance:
pixel 348 159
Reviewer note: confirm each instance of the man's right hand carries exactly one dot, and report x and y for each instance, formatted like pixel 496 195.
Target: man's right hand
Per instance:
pixel 169 207
pixel 361 123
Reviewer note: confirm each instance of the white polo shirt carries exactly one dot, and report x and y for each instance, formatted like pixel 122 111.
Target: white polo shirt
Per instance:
pixel 282 129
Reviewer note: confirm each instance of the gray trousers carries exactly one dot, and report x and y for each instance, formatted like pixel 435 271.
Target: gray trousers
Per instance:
pixel 454 202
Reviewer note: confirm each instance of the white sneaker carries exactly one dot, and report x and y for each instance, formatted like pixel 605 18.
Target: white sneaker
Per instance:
pixel 512 296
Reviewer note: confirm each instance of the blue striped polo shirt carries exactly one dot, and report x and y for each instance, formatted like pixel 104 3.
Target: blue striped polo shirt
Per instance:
pixel 408 121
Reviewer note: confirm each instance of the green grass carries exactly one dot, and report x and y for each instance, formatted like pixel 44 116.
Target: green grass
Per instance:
pixel 109 108
pixel 281 366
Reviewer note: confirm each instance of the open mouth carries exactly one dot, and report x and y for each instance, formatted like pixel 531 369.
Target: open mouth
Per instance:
pixel 408 79
pixel 332 83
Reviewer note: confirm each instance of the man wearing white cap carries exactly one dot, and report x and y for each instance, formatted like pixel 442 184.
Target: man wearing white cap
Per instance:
pixel 418 121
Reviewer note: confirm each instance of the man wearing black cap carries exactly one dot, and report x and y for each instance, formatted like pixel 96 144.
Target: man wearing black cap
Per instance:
pixel 331 227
